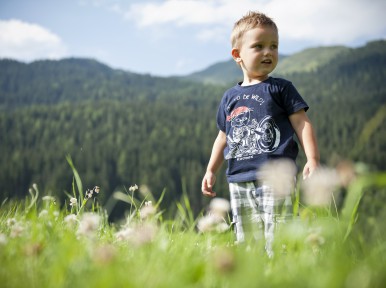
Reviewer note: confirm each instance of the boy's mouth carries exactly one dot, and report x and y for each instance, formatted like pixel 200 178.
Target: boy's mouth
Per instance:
pixel 267 61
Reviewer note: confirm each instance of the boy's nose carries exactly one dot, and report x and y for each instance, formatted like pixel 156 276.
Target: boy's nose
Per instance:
pixel 267 51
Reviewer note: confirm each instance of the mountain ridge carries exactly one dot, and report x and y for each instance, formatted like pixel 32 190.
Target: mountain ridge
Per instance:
pixel 307 60
pixel 219 73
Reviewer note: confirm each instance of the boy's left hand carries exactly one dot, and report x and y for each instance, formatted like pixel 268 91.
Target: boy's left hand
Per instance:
pixel 309 168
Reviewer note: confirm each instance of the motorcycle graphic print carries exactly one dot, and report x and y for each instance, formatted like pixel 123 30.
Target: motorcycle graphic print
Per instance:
pixel 249 137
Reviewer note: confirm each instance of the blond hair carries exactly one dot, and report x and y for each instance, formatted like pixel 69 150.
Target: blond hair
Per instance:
pixel 250 21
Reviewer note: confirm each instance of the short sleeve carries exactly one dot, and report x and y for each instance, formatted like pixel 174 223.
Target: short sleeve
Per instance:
pixel 221 117
pixel 292 100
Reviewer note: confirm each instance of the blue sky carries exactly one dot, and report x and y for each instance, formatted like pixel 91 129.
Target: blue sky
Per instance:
pixel 174 37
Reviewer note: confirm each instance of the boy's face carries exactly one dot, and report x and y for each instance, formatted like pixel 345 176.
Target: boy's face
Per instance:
pixel 258 54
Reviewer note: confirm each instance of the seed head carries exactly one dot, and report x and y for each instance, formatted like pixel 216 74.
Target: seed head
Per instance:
pixel 88 224
pixel 279 175
pixel 219 206
pixel 212 222
pixel 16 230
pixel 124 234
pixel 147 211
pixel 70 220
pixel 318 189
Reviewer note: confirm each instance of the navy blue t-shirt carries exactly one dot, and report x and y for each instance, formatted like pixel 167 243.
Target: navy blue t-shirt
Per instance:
pixel 255 121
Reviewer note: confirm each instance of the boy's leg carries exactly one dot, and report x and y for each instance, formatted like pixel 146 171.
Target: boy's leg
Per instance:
pixel 273 209
pixel 247 220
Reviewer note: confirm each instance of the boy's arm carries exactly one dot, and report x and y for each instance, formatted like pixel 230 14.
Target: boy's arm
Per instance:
pixel 306 135
pixel 215 162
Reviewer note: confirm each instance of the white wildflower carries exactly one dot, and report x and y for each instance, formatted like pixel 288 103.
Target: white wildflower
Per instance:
pixel 124 234
pixel 219 206
pixel 222 227
pixel 147 211
pixel 279 175
pixel 73 201
pixel 144 234
pixel 16 230
pixel 139 235
pixel 43 213
pixel 346 173
pixel 318 189
pixel 205 224
pixel 89 193
pixel 208 223
pixel 3 239
pixel 133 188
pixel 88 224
pixel 70 220
pixel 11 222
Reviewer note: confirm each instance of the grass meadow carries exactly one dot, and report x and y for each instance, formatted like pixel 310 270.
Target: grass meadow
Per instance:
pixel 333 241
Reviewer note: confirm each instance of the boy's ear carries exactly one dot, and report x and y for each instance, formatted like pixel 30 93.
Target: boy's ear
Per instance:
pixel 236 55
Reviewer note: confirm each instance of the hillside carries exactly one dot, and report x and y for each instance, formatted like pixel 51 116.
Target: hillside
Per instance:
pixel 52 82
pixel 219 73
pixel 120 128
pixel 307 60
pixel 123 128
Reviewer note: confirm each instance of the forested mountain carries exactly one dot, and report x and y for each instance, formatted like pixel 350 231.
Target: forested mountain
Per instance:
pixel 123 128
pixel 307 60
pixel 120 128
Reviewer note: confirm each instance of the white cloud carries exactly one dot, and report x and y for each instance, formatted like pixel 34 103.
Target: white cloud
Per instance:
pixel 185 12
pixel 319 21
pixel 216 33
pixel 329 21
pixel 25 41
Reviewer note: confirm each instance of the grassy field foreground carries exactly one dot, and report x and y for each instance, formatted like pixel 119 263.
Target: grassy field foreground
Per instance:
pixel 327 245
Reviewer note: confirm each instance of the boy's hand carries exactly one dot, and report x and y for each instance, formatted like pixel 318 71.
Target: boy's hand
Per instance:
pixel 309 168
pixel 207 184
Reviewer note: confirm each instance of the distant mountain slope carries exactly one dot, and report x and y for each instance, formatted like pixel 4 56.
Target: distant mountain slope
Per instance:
pixel 309 59
pixel 78 79
pixel 219 73
pixel 304 61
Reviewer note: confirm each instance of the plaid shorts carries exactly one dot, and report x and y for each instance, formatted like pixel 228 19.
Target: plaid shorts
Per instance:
pixel 256 210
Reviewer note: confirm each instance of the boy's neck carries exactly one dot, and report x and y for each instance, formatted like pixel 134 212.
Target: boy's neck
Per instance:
pixel 252 81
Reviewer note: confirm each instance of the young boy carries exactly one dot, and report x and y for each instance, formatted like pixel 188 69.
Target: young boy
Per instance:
pixel 257 119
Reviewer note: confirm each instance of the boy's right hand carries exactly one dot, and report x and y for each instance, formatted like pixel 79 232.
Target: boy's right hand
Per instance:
pixel 207 184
